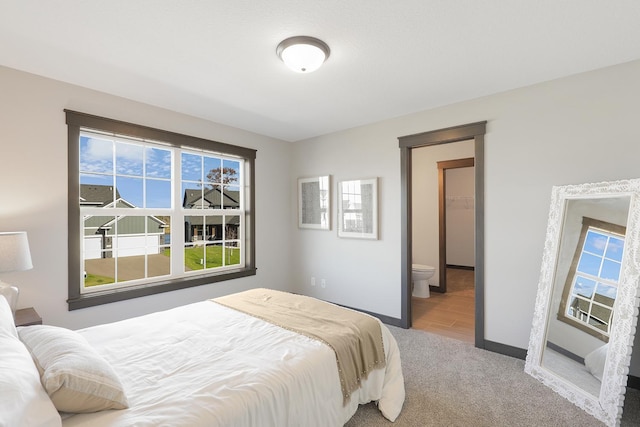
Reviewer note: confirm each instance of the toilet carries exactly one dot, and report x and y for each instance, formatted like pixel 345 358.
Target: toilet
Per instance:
pixel 420 275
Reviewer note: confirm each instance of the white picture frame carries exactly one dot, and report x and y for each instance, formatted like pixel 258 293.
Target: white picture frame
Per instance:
pixel 358 208
pixel 314 202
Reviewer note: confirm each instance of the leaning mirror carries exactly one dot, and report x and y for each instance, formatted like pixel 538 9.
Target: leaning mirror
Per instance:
pixel 586 307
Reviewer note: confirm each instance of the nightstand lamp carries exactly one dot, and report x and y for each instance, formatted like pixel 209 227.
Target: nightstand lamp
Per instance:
pixel 14 256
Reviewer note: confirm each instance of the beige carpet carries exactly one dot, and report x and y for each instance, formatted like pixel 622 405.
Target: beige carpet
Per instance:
pixel 450 383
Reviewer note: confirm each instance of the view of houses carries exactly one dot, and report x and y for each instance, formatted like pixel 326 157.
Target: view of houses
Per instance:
pixel 140 243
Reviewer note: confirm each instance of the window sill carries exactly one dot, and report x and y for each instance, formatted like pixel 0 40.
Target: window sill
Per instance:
pixel 106 297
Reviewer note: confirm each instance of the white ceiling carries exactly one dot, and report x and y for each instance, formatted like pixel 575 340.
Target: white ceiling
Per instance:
pixel 216 59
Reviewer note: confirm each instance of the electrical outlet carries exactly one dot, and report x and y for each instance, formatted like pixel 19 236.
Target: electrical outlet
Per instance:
pixel 323 283
pixel 313 281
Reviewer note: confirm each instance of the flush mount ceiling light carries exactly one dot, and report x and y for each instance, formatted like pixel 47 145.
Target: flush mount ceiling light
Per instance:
pixel 303 54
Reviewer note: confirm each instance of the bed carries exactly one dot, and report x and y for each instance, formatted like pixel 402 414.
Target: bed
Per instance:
pixel 204 364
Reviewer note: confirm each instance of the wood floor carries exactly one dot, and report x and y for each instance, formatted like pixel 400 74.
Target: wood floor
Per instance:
pixel 451 314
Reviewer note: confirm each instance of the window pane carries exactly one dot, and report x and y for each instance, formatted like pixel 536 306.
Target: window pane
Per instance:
pixel 213 195
pixel 95 230
pixel 232 253
pixel 129 159
pixel 584 287
pixel 213 227
pixel 595 243
pixel 615 249
pixel 600 318
pixel 97 190
pixel 193 257
pixel 232 227
pixel 130 190
pixel 99 271
pixel 589 264
pixel 231 172
pixel 165 238
pixel 214 255
pixel 212 169
pixel 96 155
pixel 192 197
pixel 231 197
pixel 606 294
pixel 130 267
pixel 99 266
pixel 158 163
pixel 158 194
pixel 193 228
pixel 579 307
pixel 610 270
pixel 159 264
pixel 191 167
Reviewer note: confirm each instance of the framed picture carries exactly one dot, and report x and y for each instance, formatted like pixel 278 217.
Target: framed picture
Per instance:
pixel 358 208
pixel 314 202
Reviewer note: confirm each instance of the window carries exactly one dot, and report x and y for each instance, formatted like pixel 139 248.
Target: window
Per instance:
pixel 592 284
pixel 152 211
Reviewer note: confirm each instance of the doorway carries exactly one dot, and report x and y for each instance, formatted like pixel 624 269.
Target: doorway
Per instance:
pixel 475 132
pixel 449 311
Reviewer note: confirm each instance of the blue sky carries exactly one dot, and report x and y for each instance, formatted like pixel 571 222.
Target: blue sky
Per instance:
pixel 135 167
pixel 601 257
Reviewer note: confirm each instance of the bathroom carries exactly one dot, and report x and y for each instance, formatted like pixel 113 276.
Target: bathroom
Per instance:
pixel 443 239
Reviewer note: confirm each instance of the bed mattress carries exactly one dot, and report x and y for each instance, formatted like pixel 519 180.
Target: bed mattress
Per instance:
pixel 204 364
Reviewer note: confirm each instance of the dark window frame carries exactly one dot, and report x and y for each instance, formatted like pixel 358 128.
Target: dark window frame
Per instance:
pixel 75 122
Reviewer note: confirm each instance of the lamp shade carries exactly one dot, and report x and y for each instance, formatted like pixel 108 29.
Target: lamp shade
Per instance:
pixel 303 54
pixel 14 252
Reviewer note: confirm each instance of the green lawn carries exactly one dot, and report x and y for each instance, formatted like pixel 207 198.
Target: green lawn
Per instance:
pixel 93 280
pixel 194 257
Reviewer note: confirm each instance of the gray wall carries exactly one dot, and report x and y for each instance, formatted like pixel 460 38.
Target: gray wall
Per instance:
pixel 577 129
pixel 460 216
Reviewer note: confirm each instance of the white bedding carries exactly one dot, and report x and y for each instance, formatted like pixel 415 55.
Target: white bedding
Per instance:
pixel 207 365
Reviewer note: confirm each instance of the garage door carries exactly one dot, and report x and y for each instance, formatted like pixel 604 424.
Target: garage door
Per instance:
pixel 136 245
pixel 92 246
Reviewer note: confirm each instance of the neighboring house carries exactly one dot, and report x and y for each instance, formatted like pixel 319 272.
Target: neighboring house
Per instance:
pixel 100 231
pixel 600 316
pixel 194 227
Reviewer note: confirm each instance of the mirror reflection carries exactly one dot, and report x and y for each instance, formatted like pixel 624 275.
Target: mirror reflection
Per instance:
pixel 586 308
pixel 585 287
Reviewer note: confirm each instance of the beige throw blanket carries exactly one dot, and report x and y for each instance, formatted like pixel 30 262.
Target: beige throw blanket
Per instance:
pixel 355 337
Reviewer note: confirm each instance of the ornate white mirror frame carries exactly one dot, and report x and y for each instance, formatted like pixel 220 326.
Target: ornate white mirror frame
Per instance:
pixel 607 404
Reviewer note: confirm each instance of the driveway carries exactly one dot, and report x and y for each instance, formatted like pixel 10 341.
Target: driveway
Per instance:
pixel 129 268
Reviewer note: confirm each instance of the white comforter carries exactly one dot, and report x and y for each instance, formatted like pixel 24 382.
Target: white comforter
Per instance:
pixel 207 365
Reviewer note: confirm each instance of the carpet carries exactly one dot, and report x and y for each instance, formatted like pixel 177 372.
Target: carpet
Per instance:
pixel 451 383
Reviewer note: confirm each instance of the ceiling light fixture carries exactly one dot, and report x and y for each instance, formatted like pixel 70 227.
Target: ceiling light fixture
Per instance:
pixel 303 54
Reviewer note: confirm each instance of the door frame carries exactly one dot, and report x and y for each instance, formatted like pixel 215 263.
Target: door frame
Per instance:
pixel 442 216
pixel 473 131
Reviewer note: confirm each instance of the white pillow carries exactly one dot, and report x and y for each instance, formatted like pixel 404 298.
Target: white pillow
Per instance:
pixel 7 323
pixel 594 361
pixel 76 377
pixel 23 401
